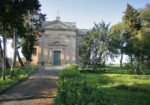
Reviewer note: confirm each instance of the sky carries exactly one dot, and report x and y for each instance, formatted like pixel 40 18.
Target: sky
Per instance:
pixel 85 12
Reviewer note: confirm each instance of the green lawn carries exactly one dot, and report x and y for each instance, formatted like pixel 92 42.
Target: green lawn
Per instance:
pixel 124 89
pixel 8 81
pixel 115 69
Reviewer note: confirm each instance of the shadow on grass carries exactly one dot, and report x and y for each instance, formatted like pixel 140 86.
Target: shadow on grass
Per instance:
pixel 101 78
pixel 124 97
pixel 124 87
pixel 134 87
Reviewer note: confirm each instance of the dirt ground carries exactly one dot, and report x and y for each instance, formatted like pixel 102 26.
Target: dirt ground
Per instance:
pixel 38 89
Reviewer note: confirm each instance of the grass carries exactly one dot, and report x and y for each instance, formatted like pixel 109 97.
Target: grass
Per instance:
pixel 8 82
pixel 124 88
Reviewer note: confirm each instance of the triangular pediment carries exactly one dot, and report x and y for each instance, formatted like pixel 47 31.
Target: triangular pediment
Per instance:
pixel 58 25
pixel 57 44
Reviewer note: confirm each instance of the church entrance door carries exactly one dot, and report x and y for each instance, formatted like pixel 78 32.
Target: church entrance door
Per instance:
pixel 56 58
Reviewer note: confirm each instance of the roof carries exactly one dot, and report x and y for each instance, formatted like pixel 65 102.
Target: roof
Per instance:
pixel 58 24
pixel 82 31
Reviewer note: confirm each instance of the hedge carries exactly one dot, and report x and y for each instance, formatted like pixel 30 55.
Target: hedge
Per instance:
pixel 73 89
pixel 71 67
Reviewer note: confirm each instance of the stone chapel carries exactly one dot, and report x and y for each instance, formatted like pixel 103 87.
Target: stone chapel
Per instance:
pixel 59 43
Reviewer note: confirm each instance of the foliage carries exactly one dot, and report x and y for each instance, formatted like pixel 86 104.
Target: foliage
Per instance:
pixel 144 37
pixel 131 37
pixel 71 67
pixel 70 74
pixel 95 46
pixel 32 26
pixel 145 15
pixel 132 25
pixel 49 63
pixel 116 39
pixel 117 42
pixel 77 91
pixel 127 66
pixel 13 16
pixel 115 69
pixel 14 73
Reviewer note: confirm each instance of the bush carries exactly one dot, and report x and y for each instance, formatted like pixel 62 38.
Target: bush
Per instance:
pixel 15 73
pixel 127 66
pixel 71 67
pixel 73 89
pixel 70 74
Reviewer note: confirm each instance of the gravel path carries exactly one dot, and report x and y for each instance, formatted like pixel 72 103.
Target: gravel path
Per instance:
pixel 38 89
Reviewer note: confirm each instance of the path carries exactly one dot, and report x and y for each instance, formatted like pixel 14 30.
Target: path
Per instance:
pixel 38 89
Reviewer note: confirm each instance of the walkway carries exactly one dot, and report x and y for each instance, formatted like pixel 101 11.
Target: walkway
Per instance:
pixel 38 89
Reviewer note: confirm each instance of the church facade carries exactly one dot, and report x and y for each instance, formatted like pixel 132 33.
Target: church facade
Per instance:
pixel 59 43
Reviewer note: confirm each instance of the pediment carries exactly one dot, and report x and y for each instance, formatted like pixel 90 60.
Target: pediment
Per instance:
pixel 58 25
pixel 57 44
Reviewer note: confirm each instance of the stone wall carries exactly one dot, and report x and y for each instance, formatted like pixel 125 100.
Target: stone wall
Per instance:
pixel 57 40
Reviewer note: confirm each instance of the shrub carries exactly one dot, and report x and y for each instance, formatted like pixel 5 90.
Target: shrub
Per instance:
pixel 71 67
pixel 49 63
pixel 15 73
pixel 127 66
pixel 73 89
pixel 70 74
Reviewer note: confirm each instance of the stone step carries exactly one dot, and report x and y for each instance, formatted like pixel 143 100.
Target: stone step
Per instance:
pixel 52 67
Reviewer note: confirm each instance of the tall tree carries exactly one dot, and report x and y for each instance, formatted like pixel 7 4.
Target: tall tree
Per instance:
pixel 132 24
pixel 4 29
pixel 33 31
pixel 95 46
pixel 12 14
pixel 117 41
pixel 28 48
pixel 19 9
pixel 144 36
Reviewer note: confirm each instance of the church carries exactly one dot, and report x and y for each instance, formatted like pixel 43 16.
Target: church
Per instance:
pixel 59 44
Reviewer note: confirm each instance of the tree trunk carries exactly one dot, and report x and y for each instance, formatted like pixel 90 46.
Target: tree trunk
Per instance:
pixel 131 62
pixel 4 57
pixel 148 62
pixel 121 60
pixel 1 55
pixel 138 66
pixel 1 50
pixel 19 58
pixel 94 68
pixel 14 49
pixel 27 65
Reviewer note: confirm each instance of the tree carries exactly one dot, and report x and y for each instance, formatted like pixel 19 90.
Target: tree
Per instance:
pixel 1 55
pixel 28 48
pixel 30 39
pixel 132 24
pixel 12 13
pixel 117 41
pixel 95 46
pixel 144 36
pixel 145 15
pixel 4 29
pixel 19 9
pixel 19 58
